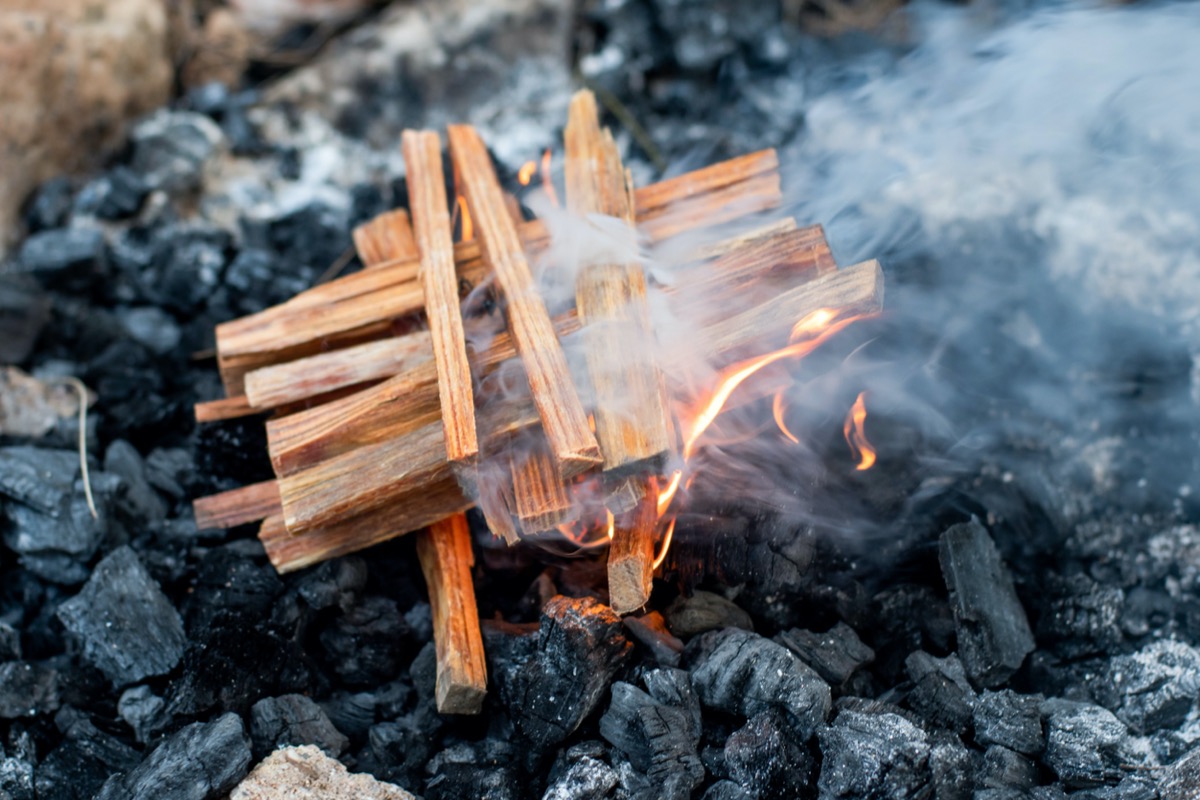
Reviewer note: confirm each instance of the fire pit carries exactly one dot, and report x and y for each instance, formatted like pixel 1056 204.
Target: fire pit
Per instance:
pixel 806 545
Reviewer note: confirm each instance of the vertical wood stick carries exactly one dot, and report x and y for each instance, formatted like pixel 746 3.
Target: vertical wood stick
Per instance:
pixel 444 550
pixel 571 441
pixel 431 221
pixel 542 498
pixel 630 409
pixel 631 554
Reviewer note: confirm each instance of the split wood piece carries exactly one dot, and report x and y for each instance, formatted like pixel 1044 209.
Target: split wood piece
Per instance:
pixel 225 408
pixel 359 306
pixel 431 222
pixel 403 474
pixel 541 498
pixel 238 506
pixel 630 407
pixel 387 239
pixel 631 553
pixel 572 444
pixel 735 242
pixel 444 550
pixel 494 500
pixel 293 381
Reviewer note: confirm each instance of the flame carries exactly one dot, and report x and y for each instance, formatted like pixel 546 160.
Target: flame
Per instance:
pixel 547 179
pixel 526 172
pixel 461 212
pixel 856 437
pixel 778 406
pixel 612 524
pixel 666 545
pixel 668 494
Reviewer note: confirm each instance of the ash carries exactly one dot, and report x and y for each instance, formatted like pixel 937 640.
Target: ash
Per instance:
pixel 1005 606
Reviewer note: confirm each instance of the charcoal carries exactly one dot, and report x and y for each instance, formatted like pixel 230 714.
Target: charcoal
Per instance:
pixel 10 643
pixel 171 148
pixel 124 461
pixel 50 205
pixel 1131 787
pixel 24 310
pixel 726 790
pixel 580 647
pixel 1083 617
pixel 952 767
pixel 908 617
pixel 80 766
pixel 1082 743
pixel 151 327
pixel 743 673
pixel 650 631
pixel 143 711
pixel 765 758
pixel 704 611
pixel 231 665
pixel 230 589
pixel 705 33
pixel 419 619
pixel 200 761
pixel 16 779
pixel 351 712
pixel 1179 780
pixel 168 469
pixel 312 235
pixel 1145 610
pixel 673 687
pixel 293 719
pixel 58 547
pixel 366 642
pixel 993 631
pixel 27 689
pixel 586 778
pixel 659 740
pixel 128 628
pixel 941 693
pixel 1006 769
pixel 1009 719
pixel 1154 688
pixel 41 479
pixel 188 268
pixel 835 654
pixel 115 195
pixel 334 583
pixel 873 756
pixel 464 771
pixel 62 255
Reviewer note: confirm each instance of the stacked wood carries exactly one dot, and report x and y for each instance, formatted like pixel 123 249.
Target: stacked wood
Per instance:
pixel 382 383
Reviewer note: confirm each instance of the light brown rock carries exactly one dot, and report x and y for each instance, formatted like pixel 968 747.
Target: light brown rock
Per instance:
pixel 75 71
pixel 305 773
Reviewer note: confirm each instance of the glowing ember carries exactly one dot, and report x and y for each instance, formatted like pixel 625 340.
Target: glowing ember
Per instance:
pixel 526 172
pixel 860 448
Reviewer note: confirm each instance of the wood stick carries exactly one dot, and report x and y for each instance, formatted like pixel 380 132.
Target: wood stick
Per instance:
pixel 631 553
pixel 541 498
pixel 444 550
pixel 386 238
pixel 655 199
pixel 630 409
pixel 431 218
pixel 237 506
pixel 572 444
pixel 225 408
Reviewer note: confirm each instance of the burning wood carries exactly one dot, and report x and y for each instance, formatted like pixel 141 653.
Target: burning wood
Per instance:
pixel 556 447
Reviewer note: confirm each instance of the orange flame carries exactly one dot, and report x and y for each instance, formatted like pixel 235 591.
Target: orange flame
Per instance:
pixel 526 172
pixel 856 437
pixel 666 545
pixel 547 178
pixel 461 212
pixel 778 407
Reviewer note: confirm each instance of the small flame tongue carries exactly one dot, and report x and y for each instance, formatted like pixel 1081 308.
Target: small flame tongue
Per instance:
pixel 855 435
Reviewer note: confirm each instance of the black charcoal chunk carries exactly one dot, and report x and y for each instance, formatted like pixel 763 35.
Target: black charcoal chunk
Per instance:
pixel 151 327
pixel 293 719
pixel 334 583
pixel 123 460
pixel 586 778
pixel 27 689
pixel 171 148
pixel 993 631
pixel 128 628
pixel 673 687
pixel 873 756
pixel 366 643
pixel 1082 743
pixel 835 655
pixel 726 790
pixel 1179 781
pixel 1011 720
pixel 705 611
pixel 115 195
pixel 16 779
pixel 952 767
pixel 941 693
pixel 10 643
pixel 651 632
pixel 743 673
pixel 62 254
pixel 58 547
pixel 24 310
pixel 1006 769
pixel 659 740
pixel 1154 688
pixel 765 757
pixel 41 479
pixel 49 205
pixel 200 761
pixel 1083 618
pixel 580 646
pixel 351 712
pixel 143 711
pixel 84 760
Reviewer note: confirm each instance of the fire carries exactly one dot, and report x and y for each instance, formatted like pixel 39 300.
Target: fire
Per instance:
pixel 856 437
pixel 778 407
pixel 461 212
pixel 526 172
pixel 547 178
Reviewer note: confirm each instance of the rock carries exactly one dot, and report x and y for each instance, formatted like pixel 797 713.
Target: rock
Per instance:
pixel 294 773
pixel 765 758
pixel 170 149
pixel 128 628
pixel 199 761
pixel 74 75
pixel 1082 743
pixel 658 739
pixel 835 655
pixel 293 719
pixel 873 755
pixel 24 311
pixel 1009 719
pixel 743 673
pixel 586 778
pixel 704 611
pixel 580 646
pixel 1154 688
pixel 1179 781
pixel 993 631
pixel 27 689
pixel 30 407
